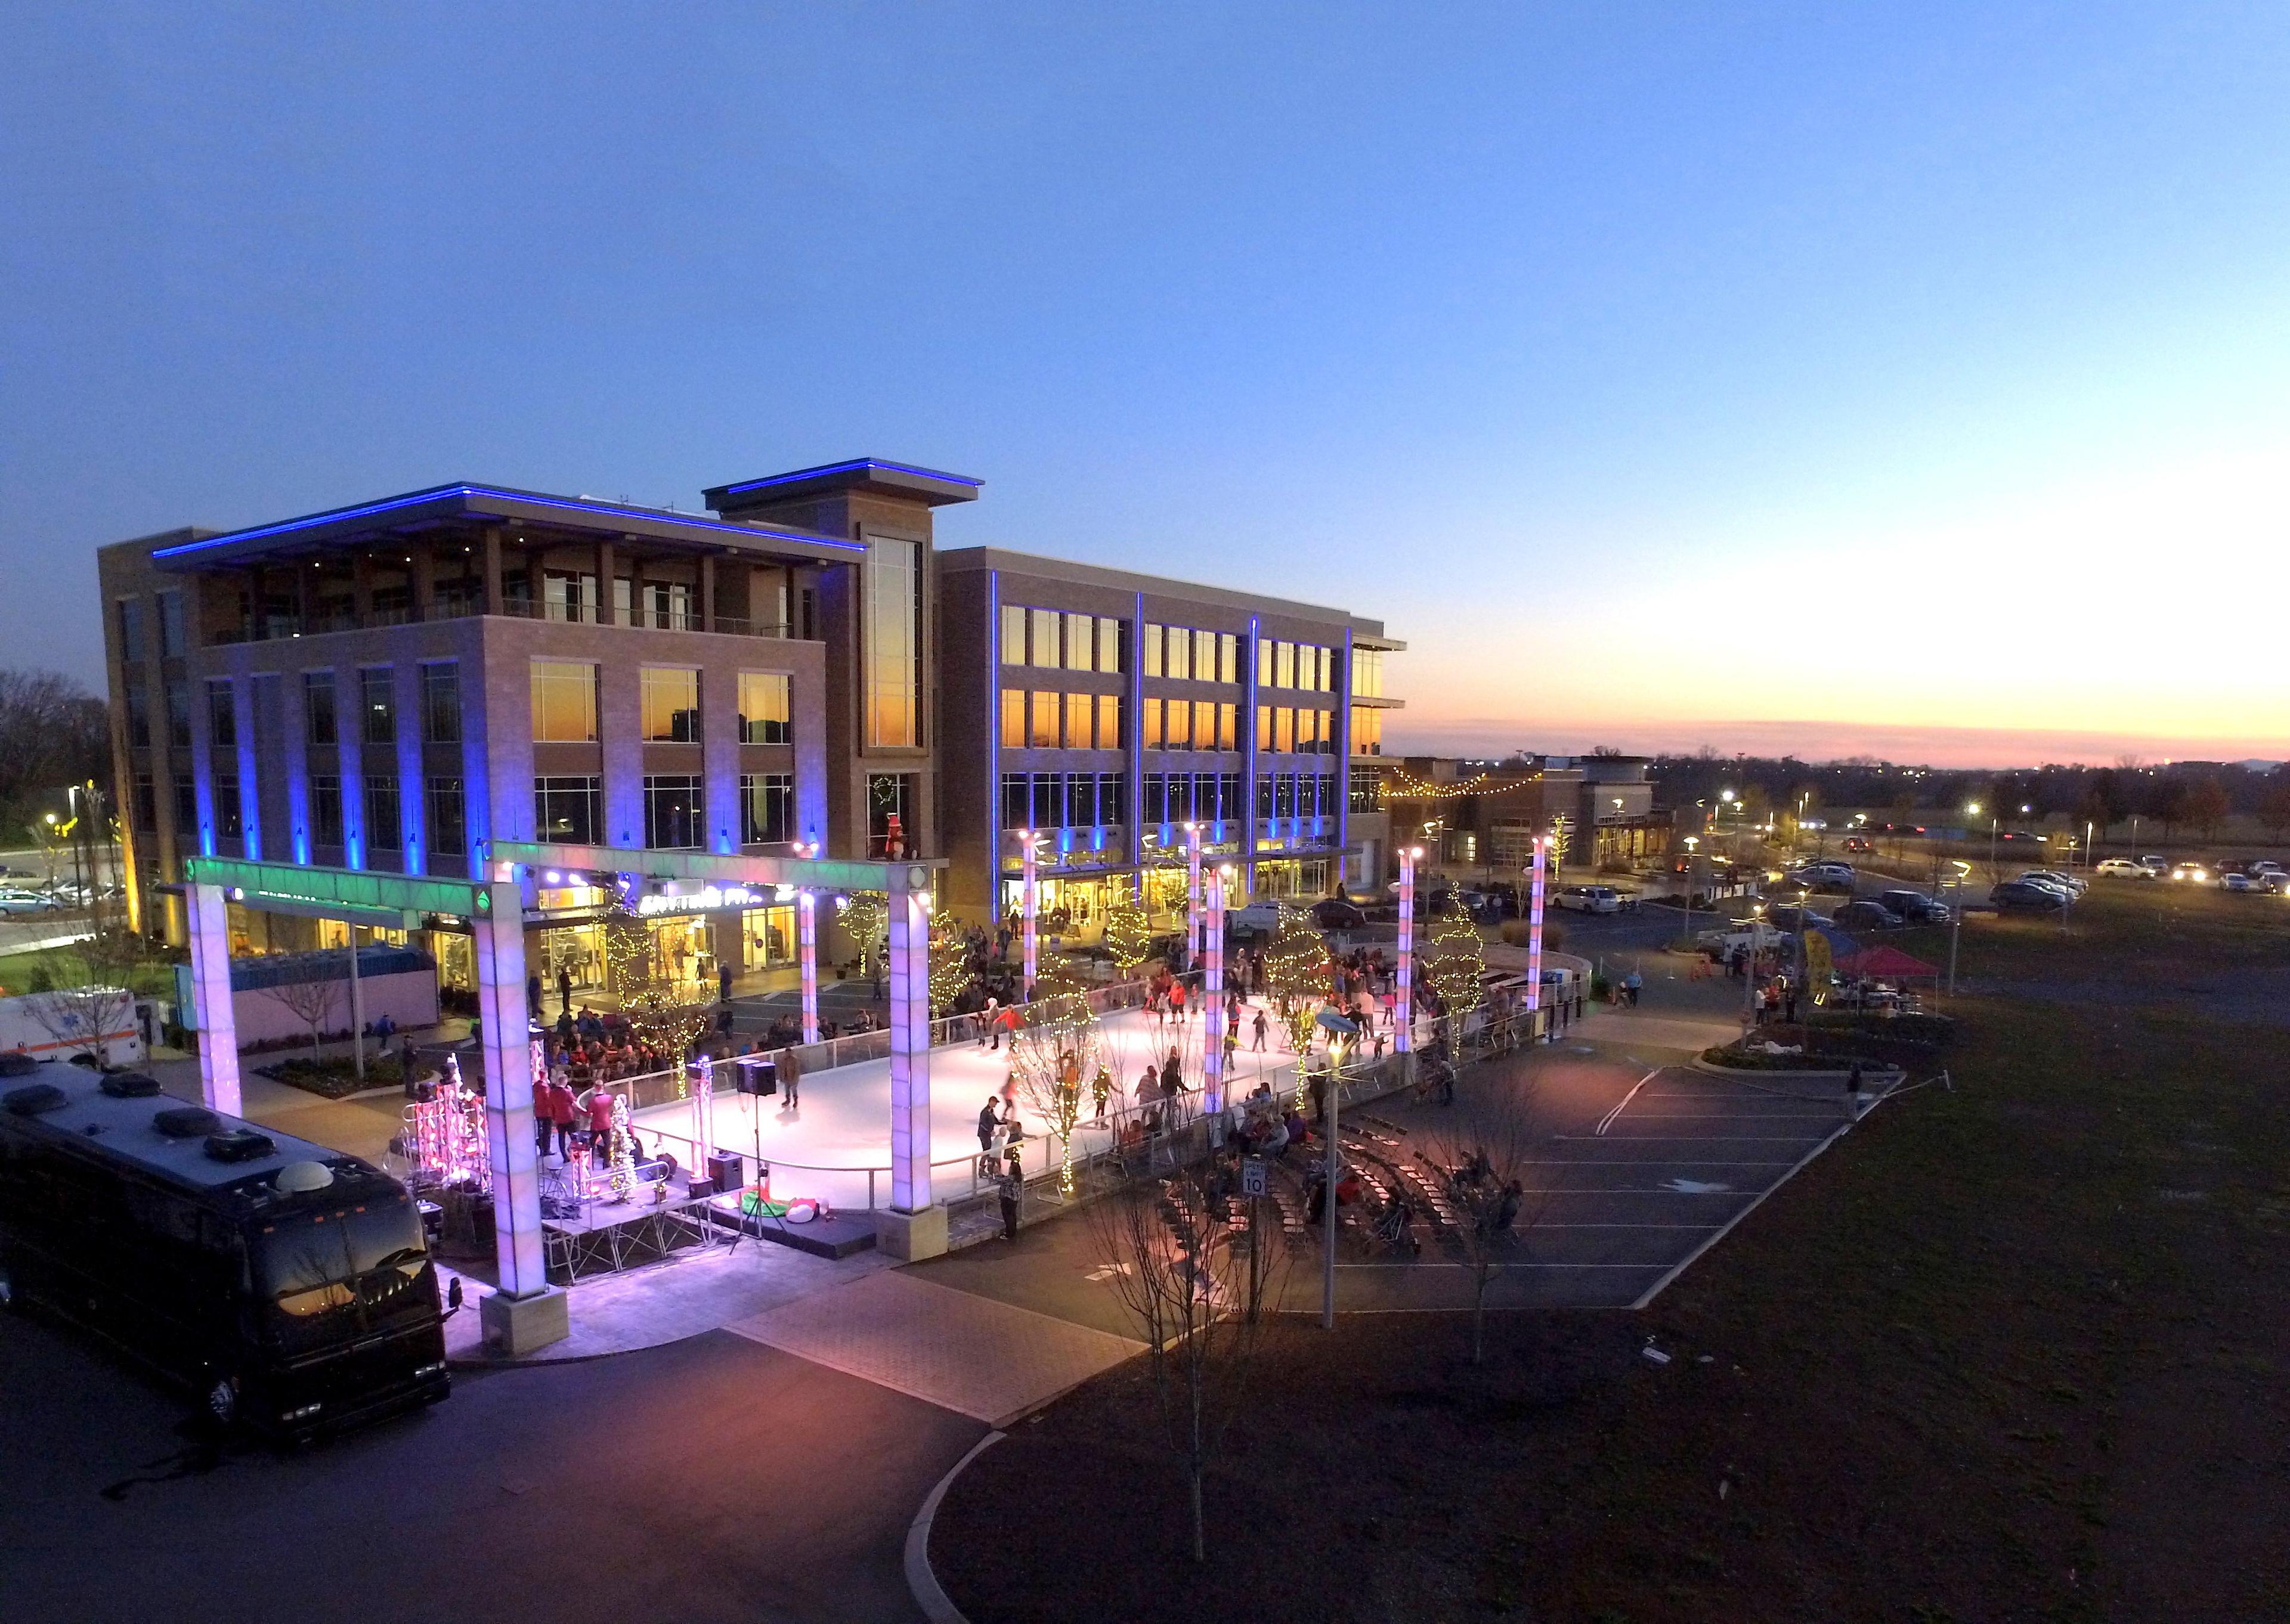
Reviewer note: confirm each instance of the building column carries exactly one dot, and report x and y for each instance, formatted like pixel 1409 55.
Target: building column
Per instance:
pixel 496 601
pixel 706 592
pixel 916 1227
pixel 1029 896
pixel 209 916
pixel 524 1313
pixel 1535 932
pixel 807 937
pixel 1192 892
pixel 607 612
pixel 421 577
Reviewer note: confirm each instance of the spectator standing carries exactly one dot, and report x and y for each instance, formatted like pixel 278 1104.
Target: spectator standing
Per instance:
pixel 791 1077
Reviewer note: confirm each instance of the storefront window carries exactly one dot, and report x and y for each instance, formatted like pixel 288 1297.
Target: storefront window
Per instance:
pixel 767 937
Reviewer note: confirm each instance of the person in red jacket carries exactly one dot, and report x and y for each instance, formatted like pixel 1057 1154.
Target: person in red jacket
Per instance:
pixel 561 1112
pixel 600 1125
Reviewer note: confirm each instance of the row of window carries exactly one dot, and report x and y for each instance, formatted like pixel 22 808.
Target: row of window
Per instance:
pixel 1190 655
pixel 571 811
pixel 1310 733
pixel 445 809
pixel 1191 724
pixel 1051 639
pixel 565 704
pixel 1087 800
pixel 1296 665
pixel 1043 720
pixel 173 635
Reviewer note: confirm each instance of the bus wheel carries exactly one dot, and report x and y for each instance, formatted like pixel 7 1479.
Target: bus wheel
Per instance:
pixel 222 1400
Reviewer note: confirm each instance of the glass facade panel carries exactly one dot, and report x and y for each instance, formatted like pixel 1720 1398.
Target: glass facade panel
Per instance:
pixel 1108 721
pixel 1177 660
pixel 223 714
pixel 1013 635
pixel 672 819
pixel 383 832
pixel 449 828
pixel 1079 715
pixel 377 705
pixel 1177 724
pixel 1151 737
pixel 174 636
pixel 564 701
pixel 671 704
pixel 568 810
pixel 1046 637
pixel 1043 734
pixel 1109 644
pixel 326 810
pixel 228 824
pixel 1079 655
pixel 766 707
pixel 441 703
pixel 318 708
pixel 1152 649
pixel 766 808
pixel 895 644
pixel 1014 718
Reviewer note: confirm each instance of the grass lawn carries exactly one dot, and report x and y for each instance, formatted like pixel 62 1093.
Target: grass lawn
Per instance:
pixel 68 969
pixel 2012 1351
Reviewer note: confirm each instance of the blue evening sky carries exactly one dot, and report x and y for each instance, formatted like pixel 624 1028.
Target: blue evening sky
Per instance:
pixel 1838 376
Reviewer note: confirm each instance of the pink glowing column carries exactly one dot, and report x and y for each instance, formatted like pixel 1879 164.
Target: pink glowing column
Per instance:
pixel 1213 996
pixel 497 935
pixel 806 936
pixel 1534 931
pixel 216 1016
pixel 1192 892
pixel 1030 904
pixel 1403 990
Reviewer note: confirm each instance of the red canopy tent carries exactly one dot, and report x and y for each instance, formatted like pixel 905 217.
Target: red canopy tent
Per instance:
pixel 1887 962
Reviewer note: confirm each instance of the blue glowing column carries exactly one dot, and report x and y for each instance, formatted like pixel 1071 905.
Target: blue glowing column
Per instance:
pixel 210 1005
pixel 1192 892
pixel 1402 991
pixel 1213 993
pixel 909 989
pixel 511 1056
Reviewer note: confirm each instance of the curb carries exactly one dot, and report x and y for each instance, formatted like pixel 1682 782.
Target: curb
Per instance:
pixel 936 1606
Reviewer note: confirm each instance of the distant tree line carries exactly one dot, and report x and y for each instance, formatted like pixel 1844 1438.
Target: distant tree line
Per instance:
pixel 2193 796
pixel 53 734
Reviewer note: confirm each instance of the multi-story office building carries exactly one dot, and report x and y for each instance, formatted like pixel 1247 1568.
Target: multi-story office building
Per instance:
pixel 1101 711
pixel 388 685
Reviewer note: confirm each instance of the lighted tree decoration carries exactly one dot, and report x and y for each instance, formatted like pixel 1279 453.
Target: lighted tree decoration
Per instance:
pixel 1296 971
pixel 624 1162
pixel 950 974
pixel 664 1011
pixel 1128 934
pixel 1057 1053
pixel 1454 962
pixel 866 921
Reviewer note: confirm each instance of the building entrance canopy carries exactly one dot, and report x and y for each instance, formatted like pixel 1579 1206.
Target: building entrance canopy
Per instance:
pixel 721 868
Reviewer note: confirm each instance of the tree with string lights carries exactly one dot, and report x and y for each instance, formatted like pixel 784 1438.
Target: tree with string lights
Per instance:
pixel 665 1012
pixel 1454 962
pixel 1296 972
pixel 1057 1053
pixel 950 974
pixel 1128 934
pixel 866 919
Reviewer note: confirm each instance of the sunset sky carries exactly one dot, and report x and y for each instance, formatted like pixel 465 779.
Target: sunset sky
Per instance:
pixel 1906 381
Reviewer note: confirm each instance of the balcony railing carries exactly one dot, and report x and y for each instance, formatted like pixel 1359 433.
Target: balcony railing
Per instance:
pixel 277 627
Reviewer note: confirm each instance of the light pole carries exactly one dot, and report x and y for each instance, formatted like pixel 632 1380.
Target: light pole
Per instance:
pixel 1691 841
pixel 1956 918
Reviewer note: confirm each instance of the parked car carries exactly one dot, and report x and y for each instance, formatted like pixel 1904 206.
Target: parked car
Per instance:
pixel 2076 886
pixel 2236 881
pixel 2123 869
pixel 2157 866
pixel 13 902
pixel 1915 907
pixel 1867 914
pixel 2192 872
pixel 2050 882
pixel 1336 914
pixel 1591 899
pixel 2022 894
pixel 2275 881
pixel 1824 876
pixel 1789 916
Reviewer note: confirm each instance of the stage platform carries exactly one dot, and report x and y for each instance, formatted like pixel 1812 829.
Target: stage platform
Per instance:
pixel 838 1236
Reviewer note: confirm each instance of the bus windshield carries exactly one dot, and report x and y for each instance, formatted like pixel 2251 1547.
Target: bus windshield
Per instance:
pixel 364 1256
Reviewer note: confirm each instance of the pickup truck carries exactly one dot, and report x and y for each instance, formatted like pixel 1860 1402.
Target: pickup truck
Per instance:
pixel 1751 935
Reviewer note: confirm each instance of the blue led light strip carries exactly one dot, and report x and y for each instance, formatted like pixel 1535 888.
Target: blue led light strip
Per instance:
pixel 418 498
pixel 845 468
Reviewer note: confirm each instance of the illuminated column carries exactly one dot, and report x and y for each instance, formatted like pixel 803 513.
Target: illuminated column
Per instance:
pixel 1212 992
pixel 806 934
pixel 212 1012
pixel 511 1056
pixel 1535 931
pixel 909 988
pixel 1192 892
pixel 1402 995
pixel 1029 905
pixel 702 1074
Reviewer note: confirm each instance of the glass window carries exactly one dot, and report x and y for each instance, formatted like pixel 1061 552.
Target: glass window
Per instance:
pixel 1081 799
pixel 326 809
pixel 228 824
pixel 1045 733
pixel 1264 727
pixel 186 807
pixel 1283 796
pixel 145 809
pixel 671 704
pixel 1109 644
pixel 888 798
pixel 1178 659
pixel 766 808
pixel 1046 637
pixel 1013 635
pixel 672 820
pixel 1016 805
pixel 382 833
pixel 766 707
pixel 564 701
pixel 1368 673
pixel 1113 797
pixel 1228 727
pixel 1263 660
pixel 1157 797
pixel 1079 714
pixel 1177 724
pixel 895 643
pixel 568 810
pixel 1108 721
pixel 441 702
pixel 378 705
pixel 1284 665
pixel 1014 718
pixel 1284 728
pixel 178 713
pixel 131 628
pixel 1049 800
pixel 1079 655
pixel 1367 733
pixel 139 715
pixel 449 828
pixel 1152 649
pixel 171 634
pixel 318 708
pixel 1152 737
pixel 223 714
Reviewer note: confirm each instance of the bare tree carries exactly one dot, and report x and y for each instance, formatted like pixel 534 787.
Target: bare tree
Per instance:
pixel 52 732
pixel 1479 1159
pixel 85 992
pixel 1178 1262
pixel 313 1002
